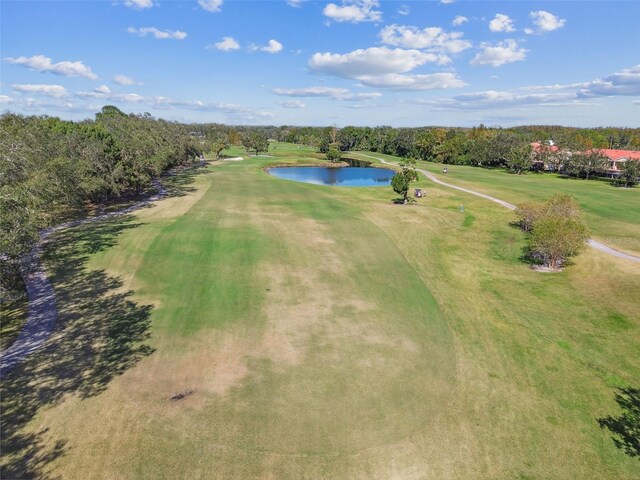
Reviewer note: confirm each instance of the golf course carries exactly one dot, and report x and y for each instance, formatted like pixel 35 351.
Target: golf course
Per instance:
pixel 246 326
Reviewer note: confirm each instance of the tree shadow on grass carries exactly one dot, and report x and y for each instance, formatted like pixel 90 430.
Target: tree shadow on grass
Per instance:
pixel 177 183
pixel 99 334
pixel 625 427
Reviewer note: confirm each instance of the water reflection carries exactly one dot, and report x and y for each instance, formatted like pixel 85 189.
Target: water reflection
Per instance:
pixel 338 176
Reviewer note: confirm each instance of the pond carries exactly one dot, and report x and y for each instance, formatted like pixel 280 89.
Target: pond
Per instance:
pixel 336 176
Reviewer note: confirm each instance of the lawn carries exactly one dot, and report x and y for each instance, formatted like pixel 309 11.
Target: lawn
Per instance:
pixel 612 213
pixel 12 316
pixel 321 332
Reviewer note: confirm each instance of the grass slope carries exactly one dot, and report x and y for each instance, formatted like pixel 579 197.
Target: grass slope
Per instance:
pixel 327 333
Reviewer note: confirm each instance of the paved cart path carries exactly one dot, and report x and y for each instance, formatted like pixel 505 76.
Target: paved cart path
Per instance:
pixel 43 312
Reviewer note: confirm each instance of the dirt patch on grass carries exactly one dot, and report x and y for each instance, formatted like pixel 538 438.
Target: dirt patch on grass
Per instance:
pixel 214 367
pixel 546 269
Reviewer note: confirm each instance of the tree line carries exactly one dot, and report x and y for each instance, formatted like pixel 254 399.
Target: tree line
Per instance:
pixel 53 170
pixel 482 146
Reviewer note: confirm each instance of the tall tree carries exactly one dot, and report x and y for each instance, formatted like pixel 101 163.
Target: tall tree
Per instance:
pixel 556 230
pixel 402 180
pixel 554 239
pixel 586 164
pixel 630 174
pixel 519 159
pixel 256 142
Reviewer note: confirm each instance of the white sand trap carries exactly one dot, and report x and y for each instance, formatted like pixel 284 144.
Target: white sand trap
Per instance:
pixel 233 159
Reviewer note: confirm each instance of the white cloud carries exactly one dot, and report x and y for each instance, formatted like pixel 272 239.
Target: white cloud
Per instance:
pixel 226 44
pixel 459 20
pixel 112 97
pixel 446 2
pixel 295 3
pixel 44 64
pixel 394 81
pixel 356 97
pixel 354 11
pixel 158 34
pixel 500 53
pixel 370 61
pixel 211 5
pixel 39 106
pixel 311 92
pixel 5 99
pixel 545 21
pixel 382 67
pixel 234 112
pixel 404 10
pixel 102 89
pixel 139 4
pixel 361 106
pixel 501 23
pixel 124 80
pixel 54 91
pixel 504 99
pixel 330 92
pixel 292 104
pixel 273 46
pixel 556 86
pixel 431 38
pixel 625 82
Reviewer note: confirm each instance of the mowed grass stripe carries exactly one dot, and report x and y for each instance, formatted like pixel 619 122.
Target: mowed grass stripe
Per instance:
pixel 370 303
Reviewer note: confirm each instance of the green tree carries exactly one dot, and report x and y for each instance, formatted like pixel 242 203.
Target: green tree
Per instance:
pixel 216 145
pixel 554 238
pixel 556 231
pixel 333 155
pixel 402 180
pixel 630 173
pixel 528 213
pixel 519 159
pixel 586 164
pixel 256 141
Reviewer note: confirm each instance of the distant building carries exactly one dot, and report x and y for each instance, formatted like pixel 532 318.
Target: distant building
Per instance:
pixel 616 158
pixel 539 147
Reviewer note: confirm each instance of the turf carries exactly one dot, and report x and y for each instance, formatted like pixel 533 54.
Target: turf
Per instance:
pixel 326 333
pixel 612 213
pixel 12 317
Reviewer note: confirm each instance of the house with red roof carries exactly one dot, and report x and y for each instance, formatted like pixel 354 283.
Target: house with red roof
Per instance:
pixel 617 158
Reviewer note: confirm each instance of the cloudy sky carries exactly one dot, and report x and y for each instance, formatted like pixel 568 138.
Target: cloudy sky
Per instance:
pixel 343 62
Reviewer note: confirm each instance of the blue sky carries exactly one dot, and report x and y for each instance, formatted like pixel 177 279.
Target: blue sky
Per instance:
pixel 342 62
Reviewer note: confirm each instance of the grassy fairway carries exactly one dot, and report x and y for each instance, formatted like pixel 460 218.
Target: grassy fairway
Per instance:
pixel 327 333
pixel 613 214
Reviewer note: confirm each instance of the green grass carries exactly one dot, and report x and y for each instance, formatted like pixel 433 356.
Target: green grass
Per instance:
pixel 327 333
pixel 13 314
pixel 612 214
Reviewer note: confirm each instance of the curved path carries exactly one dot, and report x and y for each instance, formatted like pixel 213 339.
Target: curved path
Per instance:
pixel 42 300
pixel 591 242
